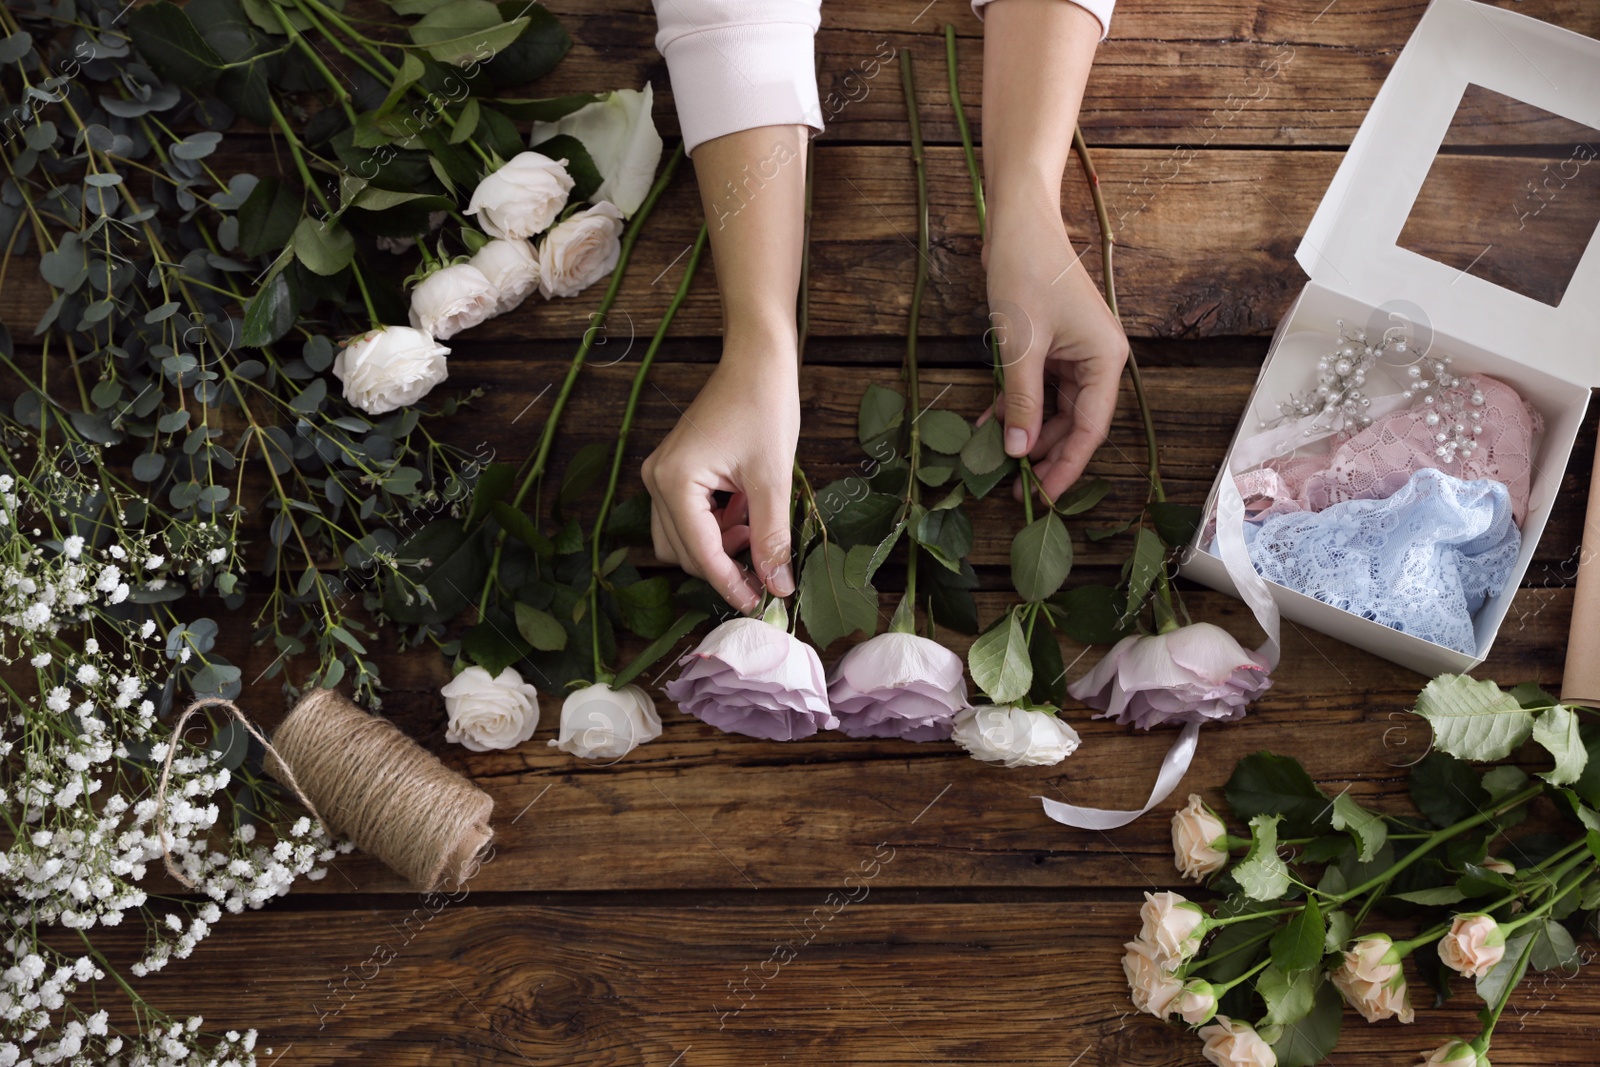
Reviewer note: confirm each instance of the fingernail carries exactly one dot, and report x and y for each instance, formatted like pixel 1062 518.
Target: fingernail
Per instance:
pixel 1016 441
pixel 783 581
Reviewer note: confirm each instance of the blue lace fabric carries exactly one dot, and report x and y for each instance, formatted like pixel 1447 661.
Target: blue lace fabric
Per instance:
pixel 1422 561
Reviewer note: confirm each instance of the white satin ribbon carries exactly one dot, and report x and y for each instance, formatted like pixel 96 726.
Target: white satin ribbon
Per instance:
pixel 1253 590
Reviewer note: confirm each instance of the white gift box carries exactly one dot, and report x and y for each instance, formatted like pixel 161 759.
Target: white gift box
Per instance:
pixel 1360 273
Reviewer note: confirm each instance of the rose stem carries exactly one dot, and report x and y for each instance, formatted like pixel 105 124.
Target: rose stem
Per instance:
pixel 547 436
pixel 908 84
pixel 1028 484
pixel 627 424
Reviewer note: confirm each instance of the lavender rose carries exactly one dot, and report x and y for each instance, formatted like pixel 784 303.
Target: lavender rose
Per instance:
pixel 750 677
pixel 1195 673
pixel 898 685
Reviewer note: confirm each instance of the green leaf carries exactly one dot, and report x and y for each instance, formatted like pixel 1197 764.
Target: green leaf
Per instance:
pixel 268 217
pixel 1446 790
pixel 1049 674
pixel 324 247
pixel 980 484
pixel 1437 896
pixel 1175 523
pixel 646 606
pixel 540 629
pixel 1473 720
pixel 943 431
pixel 1298 946
pixel 1557 730
pixel 492 646
pixel 466 122
pixel 867 520
pixel 464 31
pixel 1509 971
pixel 1149 559
pixel 1369 829
pixel 1082 496
pixel 450 565
pixel 881 410
pixel 1262 875
pixel 533 54
pixel 829 607
pixel 1341 925
pixel 1290 995
pixel 1308 1042
pixel 520 526
pixel 271 313
pixel 15 47
pixel 167 39
pixel 311 397
pixel 1265 784
pixel 1553 948
pixel 946 533
pixel 1092 614
pixel 660 647
pixel 864 560
pixel 587 464
pixel 999 661
pixel 985 449
pixel 410 72
pixel 1041 557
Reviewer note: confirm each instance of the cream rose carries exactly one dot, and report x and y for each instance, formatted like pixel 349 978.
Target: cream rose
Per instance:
pixel 523 197
pixel 1235 1044
pixel 452 299
pixel 1372 985
pixel 512 267
pixel 1015 737
pixel 488 713
pixel 580 250
pixel 1151 985
pixel 598 722
pixel 392 367
pixel 1195 836
pixel 1453 1054
pixel 1473 946
pixel 1173 925
pixel 1197 1003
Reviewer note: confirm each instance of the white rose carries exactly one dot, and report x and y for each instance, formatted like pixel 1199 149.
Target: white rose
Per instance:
pixel 522 197
pixel 1151 985
pixel 1173 925
pixel 1195 831
pixel 452 299
pixel 580 250
pixel 1014 736
pixel 512 267
pixel 490 713
pixel 1454 1054
pixel 392 367
pixel 1197 1003
pixel 620 136
pixel 598 722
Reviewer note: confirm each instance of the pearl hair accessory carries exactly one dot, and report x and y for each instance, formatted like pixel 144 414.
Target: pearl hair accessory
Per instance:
pixel 1342 376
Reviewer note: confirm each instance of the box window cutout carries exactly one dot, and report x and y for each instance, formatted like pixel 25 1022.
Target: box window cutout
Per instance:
pixel 1513 197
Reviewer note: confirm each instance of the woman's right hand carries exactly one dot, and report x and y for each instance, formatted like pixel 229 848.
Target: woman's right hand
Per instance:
pixel 739 437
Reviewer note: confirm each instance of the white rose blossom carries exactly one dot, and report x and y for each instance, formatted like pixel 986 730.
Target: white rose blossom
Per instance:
pixel 390 367
pixel 598 722
pixel 1015 737
pixel 580 250
pixel 451 299
pixel 487 712
pixel 512 266
pixel 523 197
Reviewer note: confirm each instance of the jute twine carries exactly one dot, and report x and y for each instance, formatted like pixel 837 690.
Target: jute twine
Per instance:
pixel 379 788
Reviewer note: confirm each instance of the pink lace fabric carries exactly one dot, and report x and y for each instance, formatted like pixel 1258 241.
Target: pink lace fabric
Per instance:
pixel 1374 463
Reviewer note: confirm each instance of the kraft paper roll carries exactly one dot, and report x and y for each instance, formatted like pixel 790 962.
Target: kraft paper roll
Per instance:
pixel 1580 681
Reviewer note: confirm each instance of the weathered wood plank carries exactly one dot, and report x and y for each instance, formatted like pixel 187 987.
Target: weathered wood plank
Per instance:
pixel 885 984
pixel 705 810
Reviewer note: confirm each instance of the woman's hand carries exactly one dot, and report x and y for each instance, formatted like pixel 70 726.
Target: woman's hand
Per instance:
pixel 739 437
pixel 1060 345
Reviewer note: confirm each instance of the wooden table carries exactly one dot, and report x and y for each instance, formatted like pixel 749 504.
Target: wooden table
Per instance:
pixel 702 902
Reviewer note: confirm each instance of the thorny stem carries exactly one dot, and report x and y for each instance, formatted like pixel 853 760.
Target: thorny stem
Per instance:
pixel 908 84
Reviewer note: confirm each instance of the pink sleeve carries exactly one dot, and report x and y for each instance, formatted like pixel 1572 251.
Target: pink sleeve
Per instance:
pixel 1100 9
pixel 739 64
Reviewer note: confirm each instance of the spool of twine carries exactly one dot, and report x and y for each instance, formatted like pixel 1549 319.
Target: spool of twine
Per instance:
pixel 1580 681
pixel 387 793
